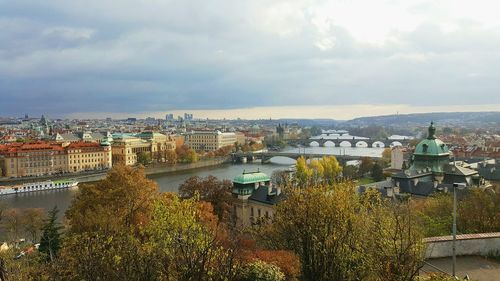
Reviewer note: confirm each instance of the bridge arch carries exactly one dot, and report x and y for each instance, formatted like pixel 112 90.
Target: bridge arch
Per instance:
pixel 329 144
pixel 378 144
pixel 345 144
pixel 361 144
pixel 283 160
pixel 314 143
pixel 396 143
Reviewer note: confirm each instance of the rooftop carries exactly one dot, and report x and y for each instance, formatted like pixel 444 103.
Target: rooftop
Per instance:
pixel 251 177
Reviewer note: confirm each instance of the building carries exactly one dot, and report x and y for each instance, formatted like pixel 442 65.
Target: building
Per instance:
pixel 255 198
pixel 397 157
pixel 33 159
pixel 47 158
pixel 127 147
pixel 209 140
pixel 88 156
pixel 431 171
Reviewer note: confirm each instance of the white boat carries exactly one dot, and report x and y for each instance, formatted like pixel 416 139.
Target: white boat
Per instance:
pixel 37 186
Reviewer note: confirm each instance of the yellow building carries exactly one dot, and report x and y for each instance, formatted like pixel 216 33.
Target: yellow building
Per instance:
pixel 32 159
pixel 209 140
pixel 86 156
pixel 126 148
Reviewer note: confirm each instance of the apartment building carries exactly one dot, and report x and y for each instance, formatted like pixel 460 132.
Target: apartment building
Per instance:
pixel 32 159
pixel 209 140
pixel 85 156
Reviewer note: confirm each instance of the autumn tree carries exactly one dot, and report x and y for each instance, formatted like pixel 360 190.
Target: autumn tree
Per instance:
pixel 171 157
pixel 337 234
pixel 319 171
pixel 260 271
pixel 32 220
pixel 210 189
pixel 12 222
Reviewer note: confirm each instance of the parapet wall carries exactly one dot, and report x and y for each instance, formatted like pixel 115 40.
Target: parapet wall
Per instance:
pixel 466 245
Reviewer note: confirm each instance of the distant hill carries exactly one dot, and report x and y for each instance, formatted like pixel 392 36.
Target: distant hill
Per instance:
pixel 442 118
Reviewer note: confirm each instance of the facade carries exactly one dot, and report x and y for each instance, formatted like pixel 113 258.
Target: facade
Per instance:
pixel 255 198
pixel 431 171
pixel 46 158
pixel 32 159
pixel 209 140
pixel 126 148
pixel 86 156
pixel 397 158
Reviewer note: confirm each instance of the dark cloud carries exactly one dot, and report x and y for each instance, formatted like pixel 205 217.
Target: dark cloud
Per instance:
pixel 99 56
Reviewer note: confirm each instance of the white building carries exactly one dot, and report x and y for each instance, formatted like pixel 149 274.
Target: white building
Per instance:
pixel 209 140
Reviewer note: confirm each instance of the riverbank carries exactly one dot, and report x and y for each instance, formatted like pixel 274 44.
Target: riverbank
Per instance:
pixel 153 169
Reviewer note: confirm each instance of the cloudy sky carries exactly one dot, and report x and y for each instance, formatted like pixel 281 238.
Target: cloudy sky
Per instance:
pixel 258 58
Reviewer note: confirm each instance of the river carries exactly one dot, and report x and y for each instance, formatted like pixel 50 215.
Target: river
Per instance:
pixel 170 182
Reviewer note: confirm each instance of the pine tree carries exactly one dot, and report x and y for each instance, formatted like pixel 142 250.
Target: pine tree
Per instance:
pixel 50 243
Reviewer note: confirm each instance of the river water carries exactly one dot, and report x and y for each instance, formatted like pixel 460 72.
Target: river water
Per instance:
pixel 170 182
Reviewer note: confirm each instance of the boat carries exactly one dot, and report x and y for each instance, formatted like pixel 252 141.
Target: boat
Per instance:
pixel 37 186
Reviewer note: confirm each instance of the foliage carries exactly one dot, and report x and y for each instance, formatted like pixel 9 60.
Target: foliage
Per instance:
pixel 328 227
pixel 188 241
pixel 350 172
pixel 144 158
pixel 122 229
pixel 171 156
pixel 365 166
pixel 123 198
pixel 50 242
pixel 27 268
pixel 478 211
pixel 377 172
pixel 212 190
pixel 186 154
pixel 281 178
pixel 323 171
pixel 261 271
pixel 386 154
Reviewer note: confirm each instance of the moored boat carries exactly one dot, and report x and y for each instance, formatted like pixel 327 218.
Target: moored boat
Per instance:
pixel 37 186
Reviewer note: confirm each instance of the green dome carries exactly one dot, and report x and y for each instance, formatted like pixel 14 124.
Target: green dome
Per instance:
pixel 254 177
pixel 431 146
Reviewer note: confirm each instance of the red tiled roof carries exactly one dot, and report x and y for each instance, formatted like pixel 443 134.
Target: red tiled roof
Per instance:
pixel 82 144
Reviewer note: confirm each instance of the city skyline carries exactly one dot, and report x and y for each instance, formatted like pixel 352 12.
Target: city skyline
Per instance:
pixel 83 58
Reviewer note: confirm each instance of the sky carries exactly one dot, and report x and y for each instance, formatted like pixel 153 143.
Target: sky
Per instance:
pixel 252 59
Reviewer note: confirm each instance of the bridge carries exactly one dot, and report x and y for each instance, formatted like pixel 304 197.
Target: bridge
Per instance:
pixel 267 156
pixel 354 142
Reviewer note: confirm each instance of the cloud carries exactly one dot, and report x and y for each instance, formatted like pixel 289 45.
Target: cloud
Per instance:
pixel 88 56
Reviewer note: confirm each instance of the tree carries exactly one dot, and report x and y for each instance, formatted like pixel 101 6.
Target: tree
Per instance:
pixel 350 172
pixel 191 157
pixel 144 158
pixel 50 243
pixel 387 154
pixel 171 157
pixel 325 170
pixel 212 190
pixel 338 234
pixel 189 242
pixel 13 221
pixel 32 220
pixel 366 166
pixel 395 244
pixel 122 200
pixel 261 271
pixel 377 172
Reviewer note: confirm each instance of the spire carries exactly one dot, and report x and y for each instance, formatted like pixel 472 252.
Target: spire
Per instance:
pixel 432 132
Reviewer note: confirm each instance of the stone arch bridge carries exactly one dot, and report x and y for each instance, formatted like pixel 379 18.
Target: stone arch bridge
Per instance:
pixel 266 157
pixel 349 142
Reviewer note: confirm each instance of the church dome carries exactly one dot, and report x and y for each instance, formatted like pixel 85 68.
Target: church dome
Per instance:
pixel 431 146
